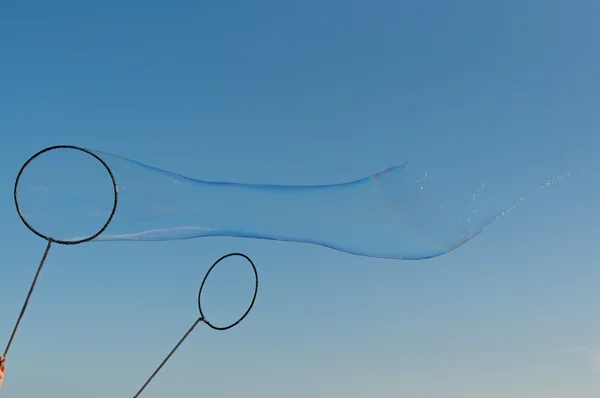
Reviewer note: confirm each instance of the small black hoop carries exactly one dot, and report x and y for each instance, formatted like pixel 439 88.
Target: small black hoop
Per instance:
pixel 66 242
pixel 202 317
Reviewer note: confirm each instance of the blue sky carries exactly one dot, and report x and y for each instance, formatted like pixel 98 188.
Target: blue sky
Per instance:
pixel 306 93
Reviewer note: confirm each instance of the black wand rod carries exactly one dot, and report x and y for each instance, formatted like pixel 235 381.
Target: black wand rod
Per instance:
pixel 27 299
pixel 168 357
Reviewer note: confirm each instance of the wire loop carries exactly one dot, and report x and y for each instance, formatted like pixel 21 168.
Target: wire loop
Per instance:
pixel 59 241
pixel 202 317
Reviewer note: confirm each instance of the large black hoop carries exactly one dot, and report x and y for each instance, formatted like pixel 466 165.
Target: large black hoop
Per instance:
pixel 202 317
pixel 66 242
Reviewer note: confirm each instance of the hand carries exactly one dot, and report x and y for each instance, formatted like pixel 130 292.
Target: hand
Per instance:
pixel 2 370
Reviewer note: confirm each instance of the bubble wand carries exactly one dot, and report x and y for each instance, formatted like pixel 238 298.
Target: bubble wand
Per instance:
pixel 49 239
pixel 202 318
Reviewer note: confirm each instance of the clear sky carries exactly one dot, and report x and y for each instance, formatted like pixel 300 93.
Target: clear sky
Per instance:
pixel 310 92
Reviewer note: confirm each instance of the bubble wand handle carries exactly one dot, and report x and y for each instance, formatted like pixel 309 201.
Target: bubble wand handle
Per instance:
pixel 168 357
pixel 31 289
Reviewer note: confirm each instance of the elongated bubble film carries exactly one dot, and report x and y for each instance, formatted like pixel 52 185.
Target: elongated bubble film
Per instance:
pixel 401 212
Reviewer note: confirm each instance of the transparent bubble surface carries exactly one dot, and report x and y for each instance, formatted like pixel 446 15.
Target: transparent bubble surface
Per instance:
pixel 66 194
pixel 228 291
pixel 411 210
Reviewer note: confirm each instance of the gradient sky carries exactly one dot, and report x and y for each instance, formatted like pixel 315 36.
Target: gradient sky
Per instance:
pixel 309 92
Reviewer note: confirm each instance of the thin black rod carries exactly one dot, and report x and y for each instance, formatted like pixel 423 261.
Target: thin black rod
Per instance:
pixel 168 356
pixel 28 297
